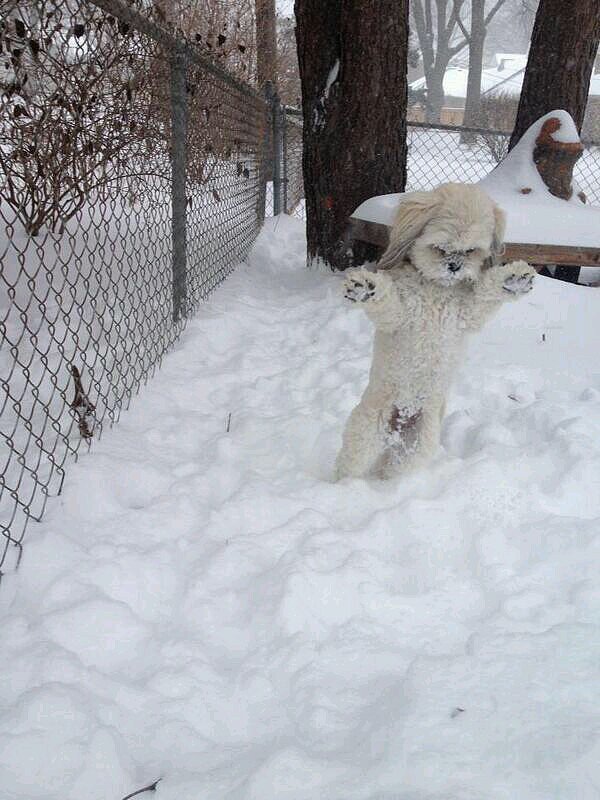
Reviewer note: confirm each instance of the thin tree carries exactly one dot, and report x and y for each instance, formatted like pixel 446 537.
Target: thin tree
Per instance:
pixel 480 21
pixel 266 42
pixel 353 67
pixel 563 48
pixel 288 76
pixel 437 26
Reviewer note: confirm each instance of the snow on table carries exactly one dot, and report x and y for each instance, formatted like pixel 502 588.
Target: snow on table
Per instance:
pixel 205 605
pixel 536 217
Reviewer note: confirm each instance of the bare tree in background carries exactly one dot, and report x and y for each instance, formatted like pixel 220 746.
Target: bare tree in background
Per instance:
pixel 437 25
pixel 266 42
pixel 563 48
pixel 353 67
pixel 288 74
pixel 481 17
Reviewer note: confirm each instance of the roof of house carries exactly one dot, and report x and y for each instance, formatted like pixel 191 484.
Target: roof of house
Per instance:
pixel 505 76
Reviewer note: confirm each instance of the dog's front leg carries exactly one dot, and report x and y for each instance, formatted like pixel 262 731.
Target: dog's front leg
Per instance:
pixel 497 285
pixel 376 294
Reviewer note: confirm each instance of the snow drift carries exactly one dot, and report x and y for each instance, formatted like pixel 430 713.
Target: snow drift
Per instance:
pixel 204 605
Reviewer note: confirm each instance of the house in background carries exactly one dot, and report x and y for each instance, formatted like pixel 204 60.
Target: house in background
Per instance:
pixel 504 76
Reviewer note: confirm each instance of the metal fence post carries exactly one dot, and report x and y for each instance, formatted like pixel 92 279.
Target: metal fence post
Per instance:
pixel 267 154
pixel 276 135
pixel 179 113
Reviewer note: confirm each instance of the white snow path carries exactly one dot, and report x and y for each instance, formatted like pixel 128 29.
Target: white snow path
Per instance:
pixel 208 607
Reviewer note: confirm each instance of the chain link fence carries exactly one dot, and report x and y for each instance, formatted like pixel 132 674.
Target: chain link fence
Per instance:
pixel 440 153
pixel 293 182
pixel 285 190
pixel 132 173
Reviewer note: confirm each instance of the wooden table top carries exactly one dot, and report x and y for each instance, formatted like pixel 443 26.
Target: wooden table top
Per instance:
pixel 536 253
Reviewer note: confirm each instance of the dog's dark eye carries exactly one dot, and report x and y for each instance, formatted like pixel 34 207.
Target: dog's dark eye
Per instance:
pixel 470 250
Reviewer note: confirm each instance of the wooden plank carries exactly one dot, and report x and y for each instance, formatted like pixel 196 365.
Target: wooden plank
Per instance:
pixel 371 232
pixel 553 254
pixel 378 234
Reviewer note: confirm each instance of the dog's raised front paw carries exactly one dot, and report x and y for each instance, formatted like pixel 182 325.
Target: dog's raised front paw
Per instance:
pixel 519 279
pixel 362 286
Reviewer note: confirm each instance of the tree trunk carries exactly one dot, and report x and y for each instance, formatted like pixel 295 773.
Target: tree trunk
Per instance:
pixel 266 68
pixel 353 61
pixel 435 41
pixel 564 43
pixel 476 43
pixel 435 94
pixel 266 42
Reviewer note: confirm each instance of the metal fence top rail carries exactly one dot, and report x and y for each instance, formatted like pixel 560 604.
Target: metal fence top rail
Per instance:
pixel 173 41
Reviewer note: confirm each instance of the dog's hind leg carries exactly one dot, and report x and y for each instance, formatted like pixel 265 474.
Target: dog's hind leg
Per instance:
pixel 362 444
pixel 412 437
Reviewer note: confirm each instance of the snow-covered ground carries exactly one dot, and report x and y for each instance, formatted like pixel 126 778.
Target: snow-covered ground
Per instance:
pixel 204 605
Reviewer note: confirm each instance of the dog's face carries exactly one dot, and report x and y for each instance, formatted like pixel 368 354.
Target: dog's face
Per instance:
pixel 448 234
pixel 449 250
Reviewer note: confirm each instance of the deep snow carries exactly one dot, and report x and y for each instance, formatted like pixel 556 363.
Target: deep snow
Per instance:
pixel 205 606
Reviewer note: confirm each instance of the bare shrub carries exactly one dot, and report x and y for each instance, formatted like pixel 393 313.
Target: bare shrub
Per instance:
pixel 497 112
pixel 224 31
pixel 77 104
pixel 85 102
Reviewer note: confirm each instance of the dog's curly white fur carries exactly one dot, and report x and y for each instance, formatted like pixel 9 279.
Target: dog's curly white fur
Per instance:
pixel 436 282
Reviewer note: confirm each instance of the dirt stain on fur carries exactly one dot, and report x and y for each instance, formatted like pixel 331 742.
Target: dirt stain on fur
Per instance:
pixel 400 423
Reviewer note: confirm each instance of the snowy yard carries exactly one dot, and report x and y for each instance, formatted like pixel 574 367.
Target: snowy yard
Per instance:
pixel 202 604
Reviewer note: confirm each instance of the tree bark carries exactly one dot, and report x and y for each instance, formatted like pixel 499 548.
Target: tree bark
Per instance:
pixel 353 67
pixel 564 43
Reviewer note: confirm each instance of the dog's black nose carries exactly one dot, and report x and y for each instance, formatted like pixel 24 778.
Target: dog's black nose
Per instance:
pixel 453 266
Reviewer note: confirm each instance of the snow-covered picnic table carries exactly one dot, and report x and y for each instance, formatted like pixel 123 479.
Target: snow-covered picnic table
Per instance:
pixel 541 227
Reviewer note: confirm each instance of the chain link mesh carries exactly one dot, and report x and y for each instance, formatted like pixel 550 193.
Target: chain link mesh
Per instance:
pixel 91 296
pixel 587 172
pixel 442 153
pixel 437 154
pixel 292 162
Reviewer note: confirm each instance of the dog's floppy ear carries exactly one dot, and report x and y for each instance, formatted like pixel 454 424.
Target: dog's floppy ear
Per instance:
pixel 497 247
pixel 413 214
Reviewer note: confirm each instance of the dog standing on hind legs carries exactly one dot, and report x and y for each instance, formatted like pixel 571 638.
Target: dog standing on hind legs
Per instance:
pixel 436 282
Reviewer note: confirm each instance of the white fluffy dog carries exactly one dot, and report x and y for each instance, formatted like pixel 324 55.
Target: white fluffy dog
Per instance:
pixel 436 281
